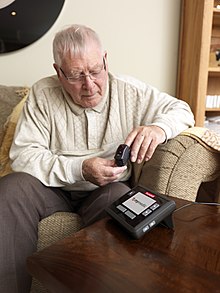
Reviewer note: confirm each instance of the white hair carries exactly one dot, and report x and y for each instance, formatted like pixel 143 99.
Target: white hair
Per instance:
pixel 73 40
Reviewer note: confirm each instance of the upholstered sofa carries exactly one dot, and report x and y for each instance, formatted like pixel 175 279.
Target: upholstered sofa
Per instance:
pixel 187 167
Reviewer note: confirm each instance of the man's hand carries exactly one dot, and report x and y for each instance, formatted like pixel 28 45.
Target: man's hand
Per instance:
pixel 101 171
pixel 143 141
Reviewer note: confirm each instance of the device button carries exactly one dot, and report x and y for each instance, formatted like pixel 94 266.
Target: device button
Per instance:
pixel 130 215
pixel 150 194
pixel 146 228
pixel 152 223
pixel 121 208
pixel 147 212
pixel 155 206
pixel 131 192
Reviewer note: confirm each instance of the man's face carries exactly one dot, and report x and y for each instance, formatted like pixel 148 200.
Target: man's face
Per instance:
pixel 85 76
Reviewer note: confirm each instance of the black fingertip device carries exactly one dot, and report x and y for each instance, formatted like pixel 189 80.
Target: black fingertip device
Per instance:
pixel 122 155
pixel 140 210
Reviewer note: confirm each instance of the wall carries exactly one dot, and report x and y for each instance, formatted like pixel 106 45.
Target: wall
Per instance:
pixel 141 38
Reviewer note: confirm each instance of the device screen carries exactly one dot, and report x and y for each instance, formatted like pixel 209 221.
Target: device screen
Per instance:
pixel 138 203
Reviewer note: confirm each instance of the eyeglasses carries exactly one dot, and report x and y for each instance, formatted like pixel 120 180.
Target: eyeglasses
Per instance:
pixel 79 77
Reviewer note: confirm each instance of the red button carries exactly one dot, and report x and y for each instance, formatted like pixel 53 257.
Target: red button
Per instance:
pixel 150 194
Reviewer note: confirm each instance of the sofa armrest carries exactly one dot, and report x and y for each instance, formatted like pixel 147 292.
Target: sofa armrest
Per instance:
pixel 178 168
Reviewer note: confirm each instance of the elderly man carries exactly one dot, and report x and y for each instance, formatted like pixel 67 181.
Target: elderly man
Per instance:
pixel 63 150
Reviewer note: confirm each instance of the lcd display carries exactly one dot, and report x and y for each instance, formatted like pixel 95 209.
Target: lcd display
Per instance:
pixel 138 203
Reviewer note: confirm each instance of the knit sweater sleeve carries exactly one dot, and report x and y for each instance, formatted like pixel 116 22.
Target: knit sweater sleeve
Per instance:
pixel 167 112
pixel 31 150
pixel 146 105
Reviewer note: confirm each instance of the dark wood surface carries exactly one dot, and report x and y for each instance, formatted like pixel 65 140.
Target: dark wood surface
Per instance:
pixel 103 258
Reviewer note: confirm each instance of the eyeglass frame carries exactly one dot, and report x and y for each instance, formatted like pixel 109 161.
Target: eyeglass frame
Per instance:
pixel 82 76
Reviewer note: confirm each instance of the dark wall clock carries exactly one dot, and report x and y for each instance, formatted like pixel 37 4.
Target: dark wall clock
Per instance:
pixel 22 22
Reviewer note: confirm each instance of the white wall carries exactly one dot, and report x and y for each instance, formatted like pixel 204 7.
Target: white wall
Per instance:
pixel 141 38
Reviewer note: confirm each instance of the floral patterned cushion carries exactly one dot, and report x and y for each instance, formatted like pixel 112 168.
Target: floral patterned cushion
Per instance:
pixel 8 126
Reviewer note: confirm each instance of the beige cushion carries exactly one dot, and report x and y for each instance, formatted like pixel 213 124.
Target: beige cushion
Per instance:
pixel 208 138
pixel 57 226
pixel 8 137
pixel 10 96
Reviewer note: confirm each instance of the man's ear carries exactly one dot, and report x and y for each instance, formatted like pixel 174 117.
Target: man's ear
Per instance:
pixel 57 69
pixel 105 55
pixel 106 61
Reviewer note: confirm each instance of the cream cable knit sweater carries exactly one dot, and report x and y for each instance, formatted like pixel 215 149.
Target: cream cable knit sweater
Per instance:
pixel 54 136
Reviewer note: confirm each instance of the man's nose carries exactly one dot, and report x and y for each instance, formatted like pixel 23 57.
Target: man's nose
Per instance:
pixel 88 82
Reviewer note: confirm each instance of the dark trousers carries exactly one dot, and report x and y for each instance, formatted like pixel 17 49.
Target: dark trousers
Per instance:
pixel 24 201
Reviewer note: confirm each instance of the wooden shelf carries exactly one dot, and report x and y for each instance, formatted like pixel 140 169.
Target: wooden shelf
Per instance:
pixel 199 39
pixel 216 14
pixel 214 71
pixel 212 109
pixel 216 10
pixel 216 17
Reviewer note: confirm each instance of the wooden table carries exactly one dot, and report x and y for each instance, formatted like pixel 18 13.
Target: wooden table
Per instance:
pixel 103 258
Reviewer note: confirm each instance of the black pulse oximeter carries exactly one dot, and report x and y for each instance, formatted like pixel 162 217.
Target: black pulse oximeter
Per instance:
pixel 140 210
pixel 122 155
